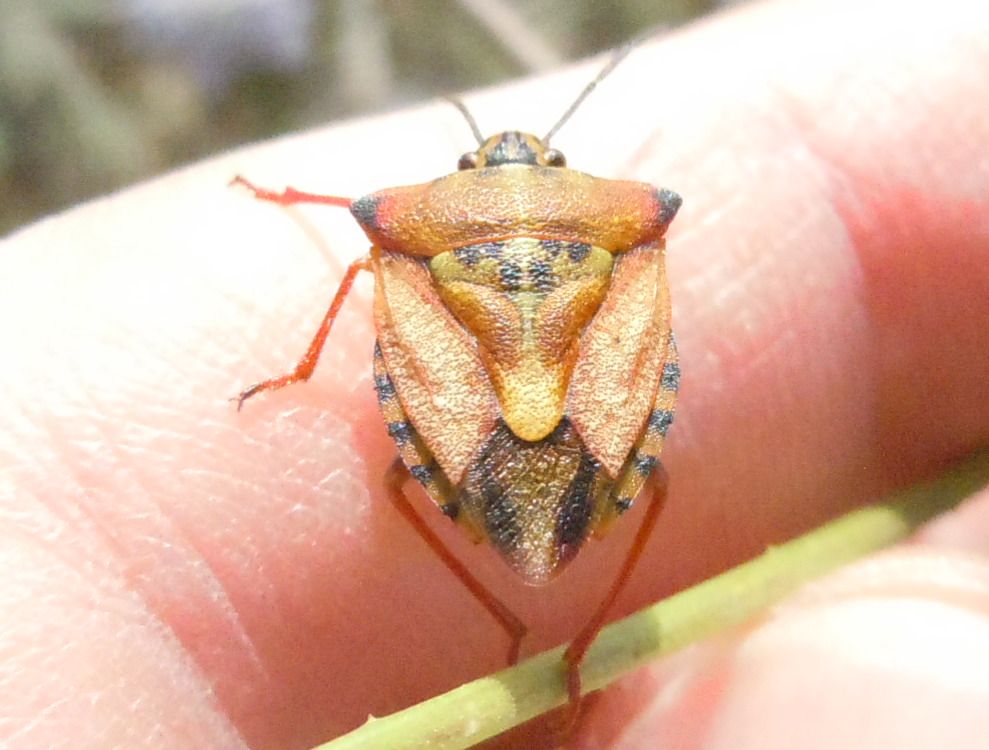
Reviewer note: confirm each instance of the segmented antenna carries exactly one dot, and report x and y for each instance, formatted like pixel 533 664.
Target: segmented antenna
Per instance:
pixel 462 108
pixel 620 54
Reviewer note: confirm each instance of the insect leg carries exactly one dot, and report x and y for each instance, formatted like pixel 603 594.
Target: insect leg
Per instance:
pixel 640 465
pixel 395 478
pixel 290 196
pixel 577 649
pixel 305 366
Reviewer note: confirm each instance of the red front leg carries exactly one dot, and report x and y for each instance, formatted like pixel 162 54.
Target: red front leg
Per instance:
pixel 290 196
pixel 305 366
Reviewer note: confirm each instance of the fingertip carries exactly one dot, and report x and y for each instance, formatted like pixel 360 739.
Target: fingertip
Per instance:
pixel 887 653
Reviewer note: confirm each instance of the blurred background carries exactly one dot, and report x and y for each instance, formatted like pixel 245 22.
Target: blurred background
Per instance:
pixel 97 94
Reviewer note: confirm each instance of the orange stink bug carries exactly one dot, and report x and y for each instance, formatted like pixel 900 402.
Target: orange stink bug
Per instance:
pixel 525 365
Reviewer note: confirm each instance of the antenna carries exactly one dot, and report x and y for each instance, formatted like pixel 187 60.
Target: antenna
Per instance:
pixel 620 54
pixel 462 108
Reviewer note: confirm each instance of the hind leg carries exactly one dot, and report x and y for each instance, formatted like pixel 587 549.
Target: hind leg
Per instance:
pixel 642 463
pixel 415 460
pixel 577 649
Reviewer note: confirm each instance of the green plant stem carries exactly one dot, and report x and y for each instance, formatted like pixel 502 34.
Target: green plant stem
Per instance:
pixel 491 705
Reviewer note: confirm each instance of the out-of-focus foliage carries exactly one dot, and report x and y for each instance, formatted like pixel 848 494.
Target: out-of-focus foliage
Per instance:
pixel 95 94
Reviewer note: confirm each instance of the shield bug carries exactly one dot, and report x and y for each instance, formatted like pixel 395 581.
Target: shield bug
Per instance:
pixel 525 364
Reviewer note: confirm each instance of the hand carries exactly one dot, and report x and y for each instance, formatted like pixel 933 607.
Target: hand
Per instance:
pixel 180 575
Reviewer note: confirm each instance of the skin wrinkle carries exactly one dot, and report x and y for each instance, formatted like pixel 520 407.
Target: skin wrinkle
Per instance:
pixel 878 660
pixel 957 578
pixel 32 724
pixel 218 595
pixel 763 285
pixel 180 537
pixel 136 581
pixel 838 185
pixel 865 200
pixel 73 510
pixel 674 716
pixel 87 601
pixel 884 203
pixel 739 470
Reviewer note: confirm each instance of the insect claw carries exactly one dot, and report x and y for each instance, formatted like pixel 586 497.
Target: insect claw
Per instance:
pixel 242 181
pixel 257 192
pixel 247 393
pixel 289 196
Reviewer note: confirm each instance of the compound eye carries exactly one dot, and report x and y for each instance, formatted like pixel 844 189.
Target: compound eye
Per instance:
pixel 555 158
pixel 468 161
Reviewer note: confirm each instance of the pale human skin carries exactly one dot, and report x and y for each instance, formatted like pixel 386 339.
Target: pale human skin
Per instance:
pixel 176 574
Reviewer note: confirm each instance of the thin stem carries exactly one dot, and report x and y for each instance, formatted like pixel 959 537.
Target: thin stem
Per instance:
pixel 491 705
